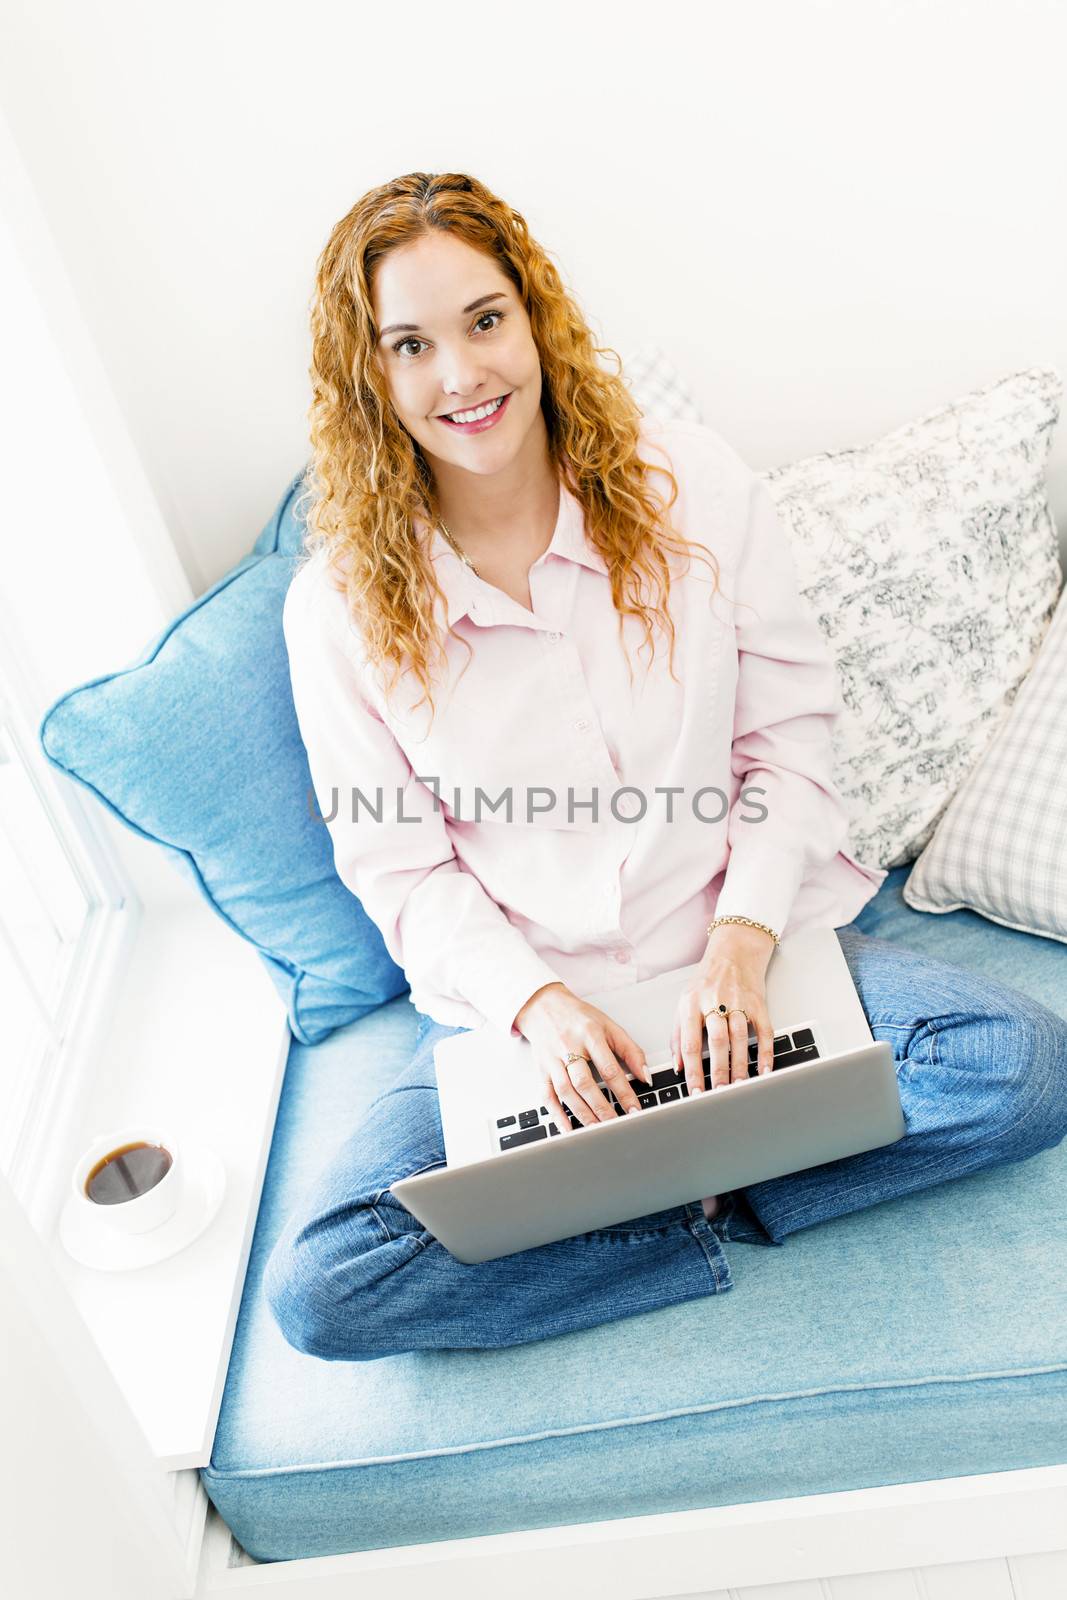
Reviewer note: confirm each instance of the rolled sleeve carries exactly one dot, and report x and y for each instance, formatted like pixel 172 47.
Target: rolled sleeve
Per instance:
pixel 465 962
pixel 788 701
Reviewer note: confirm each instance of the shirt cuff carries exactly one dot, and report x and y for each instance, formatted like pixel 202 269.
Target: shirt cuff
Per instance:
pixel 761 884
pixel 503 991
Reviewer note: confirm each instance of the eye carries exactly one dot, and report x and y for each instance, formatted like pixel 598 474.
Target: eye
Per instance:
pixel 399 346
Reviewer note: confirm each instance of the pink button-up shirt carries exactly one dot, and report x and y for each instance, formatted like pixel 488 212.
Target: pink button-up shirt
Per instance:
pixel 636 813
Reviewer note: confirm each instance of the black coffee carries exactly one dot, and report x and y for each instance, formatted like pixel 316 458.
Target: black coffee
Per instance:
pixel 127 1173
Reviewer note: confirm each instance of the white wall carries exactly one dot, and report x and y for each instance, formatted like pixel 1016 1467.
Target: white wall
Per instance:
pixel 834 216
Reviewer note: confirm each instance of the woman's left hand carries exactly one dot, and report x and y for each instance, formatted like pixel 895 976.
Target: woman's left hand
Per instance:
pixel 732 971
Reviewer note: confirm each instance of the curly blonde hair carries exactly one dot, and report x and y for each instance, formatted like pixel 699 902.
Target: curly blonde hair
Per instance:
pixel 368 479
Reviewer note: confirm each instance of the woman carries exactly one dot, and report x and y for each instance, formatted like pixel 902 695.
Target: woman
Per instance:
pixel 495 536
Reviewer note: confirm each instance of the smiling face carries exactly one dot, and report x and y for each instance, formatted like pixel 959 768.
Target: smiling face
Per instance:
pixel 455 336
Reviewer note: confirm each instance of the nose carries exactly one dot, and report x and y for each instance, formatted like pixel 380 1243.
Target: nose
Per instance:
pixel 462 375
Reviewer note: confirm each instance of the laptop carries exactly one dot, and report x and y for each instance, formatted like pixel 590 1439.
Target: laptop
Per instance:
pixel 513 1181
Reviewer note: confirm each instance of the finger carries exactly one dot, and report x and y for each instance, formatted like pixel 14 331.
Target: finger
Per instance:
pixel 610 1071
pixel 765 1040
pixel 738 1048
pixel 719 1051
pixel 630 1053
pixel 572 1099
pixel 554 1107
pixel 558 1072
pixel 691 1041
pixel 616 1076
pixel 589 1103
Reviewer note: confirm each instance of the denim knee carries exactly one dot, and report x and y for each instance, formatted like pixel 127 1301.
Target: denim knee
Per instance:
pixel 304 1286
pixel 291 1293
pixel 1031 1112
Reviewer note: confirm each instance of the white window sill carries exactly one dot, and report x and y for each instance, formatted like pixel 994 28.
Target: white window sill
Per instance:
pixel 198 1042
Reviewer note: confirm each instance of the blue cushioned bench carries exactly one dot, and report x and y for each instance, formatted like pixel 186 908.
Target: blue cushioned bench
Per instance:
pixel 922 1338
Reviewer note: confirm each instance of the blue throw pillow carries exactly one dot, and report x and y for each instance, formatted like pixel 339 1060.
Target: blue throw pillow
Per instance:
pixel 197 747
pixel 284 533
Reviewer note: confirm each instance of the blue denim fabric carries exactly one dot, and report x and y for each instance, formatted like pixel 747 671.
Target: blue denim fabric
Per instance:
pixel 982 1071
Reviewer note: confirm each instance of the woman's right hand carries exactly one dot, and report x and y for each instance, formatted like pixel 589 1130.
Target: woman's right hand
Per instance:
pixel 556 1021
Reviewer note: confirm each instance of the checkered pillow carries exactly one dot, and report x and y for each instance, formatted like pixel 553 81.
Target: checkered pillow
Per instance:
pixel 999 848
pixel 657 387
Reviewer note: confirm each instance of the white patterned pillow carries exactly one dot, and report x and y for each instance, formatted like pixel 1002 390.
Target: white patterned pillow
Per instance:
pixel 930 561
pixel 1001 847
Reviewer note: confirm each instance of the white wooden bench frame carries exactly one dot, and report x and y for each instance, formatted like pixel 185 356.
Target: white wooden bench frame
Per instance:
pixel 978 1538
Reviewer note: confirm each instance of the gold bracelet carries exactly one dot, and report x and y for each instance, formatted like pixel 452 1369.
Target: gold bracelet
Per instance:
pixel 748 922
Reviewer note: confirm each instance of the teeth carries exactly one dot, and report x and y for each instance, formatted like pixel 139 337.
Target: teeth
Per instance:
pixel 476 416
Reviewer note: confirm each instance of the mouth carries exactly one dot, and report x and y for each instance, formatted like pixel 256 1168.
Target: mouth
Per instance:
pixel 483 417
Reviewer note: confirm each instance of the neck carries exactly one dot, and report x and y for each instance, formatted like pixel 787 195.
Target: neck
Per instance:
pixel 513 512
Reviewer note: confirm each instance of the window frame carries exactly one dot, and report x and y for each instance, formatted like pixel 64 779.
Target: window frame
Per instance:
pixel 179 1015
pixel 47 1108
pixel 124 882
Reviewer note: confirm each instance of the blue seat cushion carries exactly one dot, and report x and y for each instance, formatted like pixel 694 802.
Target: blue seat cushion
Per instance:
pixel 197 747
pixel 918 1339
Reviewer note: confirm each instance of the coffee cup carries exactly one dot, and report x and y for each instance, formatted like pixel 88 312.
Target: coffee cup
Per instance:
pixel 131 1181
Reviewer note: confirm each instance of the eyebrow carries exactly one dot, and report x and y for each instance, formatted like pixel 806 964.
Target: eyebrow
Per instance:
pixel 413 327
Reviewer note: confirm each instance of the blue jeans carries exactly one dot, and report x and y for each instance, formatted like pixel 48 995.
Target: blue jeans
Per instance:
pixel 982 1071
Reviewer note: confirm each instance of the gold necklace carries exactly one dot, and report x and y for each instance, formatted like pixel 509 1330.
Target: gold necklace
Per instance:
pixel 465 559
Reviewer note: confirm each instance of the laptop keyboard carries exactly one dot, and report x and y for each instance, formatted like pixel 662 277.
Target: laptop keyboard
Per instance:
pixel 791 1049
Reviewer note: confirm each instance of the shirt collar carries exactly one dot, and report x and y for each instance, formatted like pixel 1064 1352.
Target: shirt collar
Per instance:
pixel 459 585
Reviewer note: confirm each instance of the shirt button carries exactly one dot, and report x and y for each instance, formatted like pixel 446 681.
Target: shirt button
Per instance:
pixel 622 955
pixel 581 725
pixel 554 638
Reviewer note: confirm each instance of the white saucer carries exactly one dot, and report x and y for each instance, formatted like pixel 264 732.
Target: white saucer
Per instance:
pixel 108 1250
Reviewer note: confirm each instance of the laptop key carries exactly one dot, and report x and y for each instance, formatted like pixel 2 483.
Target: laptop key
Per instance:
pixel 648 1099
pixel 510 1141
pixel 669 1093
pixel 666 1078
pixel 794 1057
pixel 505 1122
pixel 782 1044
pixel 527 1119
pixel 802 1037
